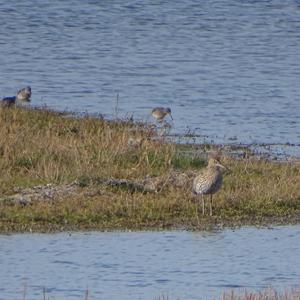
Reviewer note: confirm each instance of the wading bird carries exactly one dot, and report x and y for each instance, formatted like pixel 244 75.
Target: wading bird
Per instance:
pixel 23 95
pixel 209 181
pixel 159 113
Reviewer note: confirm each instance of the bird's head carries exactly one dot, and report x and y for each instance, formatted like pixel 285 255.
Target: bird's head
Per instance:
pixel 214 162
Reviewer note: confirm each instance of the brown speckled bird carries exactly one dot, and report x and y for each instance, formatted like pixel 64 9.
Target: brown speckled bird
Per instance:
pixel 24 94
pixel 209 181
pixel 159 113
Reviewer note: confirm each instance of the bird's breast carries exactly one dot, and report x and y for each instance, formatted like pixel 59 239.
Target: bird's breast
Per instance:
pixel 207 183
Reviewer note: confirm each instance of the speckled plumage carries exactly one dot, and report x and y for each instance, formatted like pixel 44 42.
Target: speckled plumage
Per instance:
pixel 24 94
pixel 209 181
pixel 159 113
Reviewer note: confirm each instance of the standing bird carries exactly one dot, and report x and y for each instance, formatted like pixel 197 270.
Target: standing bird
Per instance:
pixel 23 95
pixel 209 181
pixel 159 113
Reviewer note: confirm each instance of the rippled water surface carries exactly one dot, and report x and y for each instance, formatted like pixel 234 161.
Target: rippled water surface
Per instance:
pixel 230 70
pixel 146 265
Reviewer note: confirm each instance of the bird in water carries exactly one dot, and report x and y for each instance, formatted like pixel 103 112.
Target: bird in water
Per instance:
pixel 159 113
pixel 23 95
pixel 209 181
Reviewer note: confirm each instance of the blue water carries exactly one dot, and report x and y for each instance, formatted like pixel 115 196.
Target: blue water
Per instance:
pixel 230 70
pixel 146 265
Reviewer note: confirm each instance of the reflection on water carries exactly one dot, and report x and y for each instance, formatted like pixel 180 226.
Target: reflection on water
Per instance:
pixel 230 70
pixel 144 265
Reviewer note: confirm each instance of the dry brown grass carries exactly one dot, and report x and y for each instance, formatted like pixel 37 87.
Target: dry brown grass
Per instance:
pixel 44 146
pixel 40 147
pixel 268 294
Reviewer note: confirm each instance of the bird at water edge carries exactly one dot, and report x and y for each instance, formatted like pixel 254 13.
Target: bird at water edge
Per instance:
pixel 209 181
pixel 23 95
pixel 159 113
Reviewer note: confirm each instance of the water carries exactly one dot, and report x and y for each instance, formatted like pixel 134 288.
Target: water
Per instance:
pixel 146 265
pixel 230 70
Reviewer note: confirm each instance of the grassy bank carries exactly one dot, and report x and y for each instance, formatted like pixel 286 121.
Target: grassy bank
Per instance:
pixel 38 147
pixel 267 294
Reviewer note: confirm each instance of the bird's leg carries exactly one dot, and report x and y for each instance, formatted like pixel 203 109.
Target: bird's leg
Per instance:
pixel 210 206
pixel 197 212
pixel 203 208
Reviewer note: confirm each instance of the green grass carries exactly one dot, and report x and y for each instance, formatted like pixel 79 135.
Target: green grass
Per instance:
pixel 41 147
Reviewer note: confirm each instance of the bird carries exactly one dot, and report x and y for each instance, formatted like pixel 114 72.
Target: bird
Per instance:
pixel 23 95
pixel 8 101
pixel 209 181
pixel 159 113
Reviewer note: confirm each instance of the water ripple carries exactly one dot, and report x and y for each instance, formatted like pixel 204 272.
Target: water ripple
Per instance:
pixel 237 57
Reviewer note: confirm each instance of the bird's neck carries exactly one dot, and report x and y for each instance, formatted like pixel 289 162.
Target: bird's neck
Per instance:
pixel 214 169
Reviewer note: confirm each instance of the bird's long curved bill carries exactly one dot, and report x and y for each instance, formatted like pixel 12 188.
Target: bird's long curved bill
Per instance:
pixel 223 167
pixel 171 116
